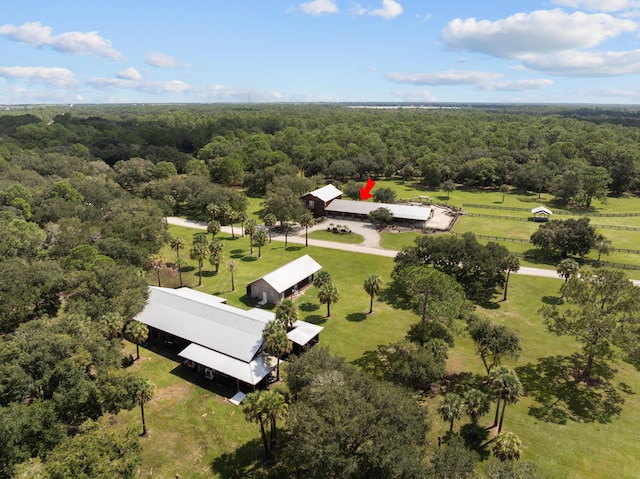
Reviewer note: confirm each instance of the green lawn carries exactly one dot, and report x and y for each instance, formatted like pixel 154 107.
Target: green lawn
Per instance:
pixel 396 241
pixel 350 238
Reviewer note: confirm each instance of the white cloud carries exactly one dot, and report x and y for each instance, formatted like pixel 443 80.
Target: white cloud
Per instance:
pixel 202 93
pixel 517 85
pixel 358 9
pixel 77 43
pixel 129 74
pixel 539 32
pixel 415 95
pixel 25 95
pixel 600 5
pixel 449 77
pixel 57 77
pixel 318 7
pixel 390 9
pixel 160 60
pixel 586 64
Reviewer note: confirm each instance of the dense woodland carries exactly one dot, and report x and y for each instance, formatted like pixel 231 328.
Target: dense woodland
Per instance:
pixel 83 196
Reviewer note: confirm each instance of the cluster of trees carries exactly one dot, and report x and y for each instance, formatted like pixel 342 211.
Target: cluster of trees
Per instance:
pixel 478 269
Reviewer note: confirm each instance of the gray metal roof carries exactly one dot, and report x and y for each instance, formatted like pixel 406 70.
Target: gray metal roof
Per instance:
pixel 232 331
pixel 541 209
pixel 326 193
pixel 406 212
pixel 303 332
pixel 251 373
pixel 291 273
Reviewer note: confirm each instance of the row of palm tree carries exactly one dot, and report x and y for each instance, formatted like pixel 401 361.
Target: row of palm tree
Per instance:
pixel 504 386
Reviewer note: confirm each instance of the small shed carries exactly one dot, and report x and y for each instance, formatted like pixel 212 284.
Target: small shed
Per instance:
pixel 317 200
pixel 284 281
pixel 541 214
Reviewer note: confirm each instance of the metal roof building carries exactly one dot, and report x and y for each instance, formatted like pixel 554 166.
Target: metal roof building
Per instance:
pixel 360 209
pixel 284 281
pixel 223 338
pixel 317 200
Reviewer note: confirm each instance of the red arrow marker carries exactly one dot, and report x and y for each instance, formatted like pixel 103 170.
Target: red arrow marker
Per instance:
pixel 365 192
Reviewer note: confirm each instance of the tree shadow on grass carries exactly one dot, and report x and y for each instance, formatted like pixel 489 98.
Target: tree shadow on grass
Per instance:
pixel 356 317
pixel 459 383
pixel 553 300
pixel 188 269
pixel 370 363
pixel 316 319
pixel 293 248
pixel 561 396
pixel 308 307
pixel 250 259
pixel 476 438
pixel 242 462
pixel 237 253
pixel 209 274
pixel 395 296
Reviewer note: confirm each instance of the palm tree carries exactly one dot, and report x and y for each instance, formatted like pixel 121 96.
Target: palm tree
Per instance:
pixel 233 267
pixel 144 393
pixel 504 189
pixel 328 294
pixel 451 407
pixel 372 285
pixel 477 404
pixel 111 324
pixel 269 221
pixel 137 333
pixel 260 239
pixel 177 244
pixel 508 388
pixel 213 210
pixel 156 262
pixel 232 217
pixel 179 263
pixel 506 447
pixel 566 269
pixel 254 412
pixel 199 252
pixel 213 228
pixel 274 406
pixel 251 227
pixel 277 343
pixel 321 278
pixel 242 217
pixel 307 220
pixel 215 254
pixel 509 264
pixel 287 313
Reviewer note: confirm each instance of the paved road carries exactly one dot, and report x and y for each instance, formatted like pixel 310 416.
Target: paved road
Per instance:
pixel 371 244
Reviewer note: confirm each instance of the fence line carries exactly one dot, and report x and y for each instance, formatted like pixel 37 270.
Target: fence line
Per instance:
pixel 517 218
pixel 555 211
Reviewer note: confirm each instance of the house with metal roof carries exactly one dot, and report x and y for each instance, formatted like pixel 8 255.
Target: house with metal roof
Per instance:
pixel 414 215
pixel 215 338
pixel 317 200
pixel 284 281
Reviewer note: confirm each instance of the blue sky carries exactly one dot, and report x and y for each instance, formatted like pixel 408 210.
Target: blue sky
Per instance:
pixel 555 51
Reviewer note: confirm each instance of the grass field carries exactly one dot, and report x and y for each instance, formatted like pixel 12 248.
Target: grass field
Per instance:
pixel 568 430
pixel 350 238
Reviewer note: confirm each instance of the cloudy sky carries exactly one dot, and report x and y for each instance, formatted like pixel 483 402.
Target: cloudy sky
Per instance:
pixel 567 51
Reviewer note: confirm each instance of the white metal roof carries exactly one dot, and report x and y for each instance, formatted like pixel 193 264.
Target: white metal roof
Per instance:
pixel 541 209
pixel 303 332
pixel 326 193
pixel 232 331
pixel 292 273
pixel 405 212
pixel 251 373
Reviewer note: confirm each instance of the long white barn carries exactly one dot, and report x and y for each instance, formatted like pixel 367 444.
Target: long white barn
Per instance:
pixel 225 339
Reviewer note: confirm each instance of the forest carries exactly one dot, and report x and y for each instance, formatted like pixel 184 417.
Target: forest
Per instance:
pixel 84 192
